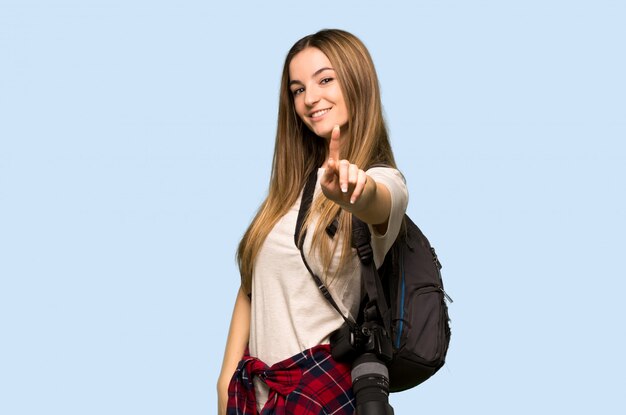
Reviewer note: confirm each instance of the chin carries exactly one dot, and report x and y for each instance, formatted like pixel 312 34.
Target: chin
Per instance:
pixel 324 132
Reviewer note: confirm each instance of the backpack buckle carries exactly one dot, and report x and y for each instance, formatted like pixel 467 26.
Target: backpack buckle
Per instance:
pixel 365 253
pixel 331 229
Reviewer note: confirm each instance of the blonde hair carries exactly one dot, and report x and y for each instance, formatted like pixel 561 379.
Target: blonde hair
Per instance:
pixel 298 151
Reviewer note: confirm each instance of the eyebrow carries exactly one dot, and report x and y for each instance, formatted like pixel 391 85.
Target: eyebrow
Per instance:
pixel 319 71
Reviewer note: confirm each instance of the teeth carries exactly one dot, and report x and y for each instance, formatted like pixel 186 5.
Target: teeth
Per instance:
pixel 320 112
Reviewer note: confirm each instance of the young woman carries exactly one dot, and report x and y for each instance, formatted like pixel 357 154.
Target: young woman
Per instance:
pixel 330 123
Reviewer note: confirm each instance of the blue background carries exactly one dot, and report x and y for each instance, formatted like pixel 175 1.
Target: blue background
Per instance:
pixel 135 146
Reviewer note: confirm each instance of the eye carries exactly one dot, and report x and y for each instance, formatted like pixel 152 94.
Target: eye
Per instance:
pixel 326 80
pixel 297 91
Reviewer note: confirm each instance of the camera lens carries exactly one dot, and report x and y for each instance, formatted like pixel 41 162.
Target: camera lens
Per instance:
pixel 370 383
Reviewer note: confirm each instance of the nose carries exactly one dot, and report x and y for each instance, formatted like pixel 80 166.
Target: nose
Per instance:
pixel 311 96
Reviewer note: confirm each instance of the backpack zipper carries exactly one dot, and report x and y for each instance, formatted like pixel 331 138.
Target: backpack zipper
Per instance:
pixel 438 268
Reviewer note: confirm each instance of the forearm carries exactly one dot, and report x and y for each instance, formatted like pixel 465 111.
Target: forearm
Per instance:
pixel 238 336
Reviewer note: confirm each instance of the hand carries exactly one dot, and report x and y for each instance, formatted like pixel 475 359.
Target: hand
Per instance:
pixel 342 181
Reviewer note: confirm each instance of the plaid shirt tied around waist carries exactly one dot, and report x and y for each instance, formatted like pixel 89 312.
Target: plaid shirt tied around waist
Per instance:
pixel 309 383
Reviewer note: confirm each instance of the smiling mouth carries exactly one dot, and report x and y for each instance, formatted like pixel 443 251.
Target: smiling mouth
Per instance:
pixel 319 113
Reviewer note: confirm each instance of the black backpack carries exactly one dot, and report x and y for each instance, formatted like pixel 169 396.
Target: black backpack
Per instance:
pixel 407 291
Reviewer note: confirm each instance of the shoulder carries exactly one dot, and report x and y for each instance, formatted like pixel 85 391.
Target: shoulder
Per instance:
pixel 395 183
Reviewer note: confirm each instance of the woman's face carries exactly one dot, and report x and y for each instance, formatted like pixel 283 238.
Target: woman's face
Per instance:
pixel 316 92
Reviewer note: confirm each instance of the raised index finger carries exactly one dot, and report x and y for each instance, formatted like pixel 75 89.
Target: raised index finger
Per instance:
pixel 335 144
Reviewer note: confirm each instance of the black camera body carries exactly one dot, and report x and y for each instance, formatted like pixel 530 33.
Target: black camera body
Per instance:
pixel 350 341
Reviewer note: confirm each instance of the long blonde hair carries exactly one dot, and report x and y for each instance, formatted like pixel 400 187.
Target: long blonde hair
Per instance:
pixel 298 151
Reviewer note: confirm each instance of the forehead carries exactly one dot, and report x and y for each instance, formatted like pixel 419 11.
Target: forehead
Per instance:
pixel 304 64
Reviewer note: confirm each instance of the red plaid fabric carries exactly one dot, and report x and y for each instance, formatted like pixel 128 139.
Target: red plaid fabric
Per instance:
pixel 309 383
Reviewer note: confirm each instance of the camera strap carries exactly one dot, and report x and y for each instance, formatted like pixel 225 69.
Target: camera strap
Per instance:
pixel 300 234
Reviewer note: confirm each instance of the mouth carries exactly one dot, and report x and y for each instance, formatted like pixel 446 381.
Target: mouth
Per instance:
pixel 319 113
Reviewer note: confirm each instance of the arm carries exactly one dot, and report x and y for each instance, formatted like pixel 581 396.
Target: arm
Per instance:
pixel 238 336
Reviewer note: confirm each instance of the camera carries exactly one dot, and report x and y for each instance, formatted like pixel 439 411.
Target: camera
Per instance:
pixel 368 346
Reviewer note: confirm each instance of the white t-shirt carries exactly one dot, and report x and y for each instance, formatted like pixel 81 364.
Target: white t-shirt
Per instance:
pixel 289 313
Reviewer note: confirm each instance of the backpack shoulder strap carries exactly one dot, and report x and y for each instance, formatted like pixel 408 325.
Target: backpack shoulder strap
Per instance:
pixel 361 240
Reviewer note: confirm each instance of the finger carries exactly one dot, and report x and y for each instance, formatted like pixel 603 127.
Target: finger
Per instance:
pixel 353 175
pixel 334 146
pixel 331 171
pixel 359 187
pixel 344 165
